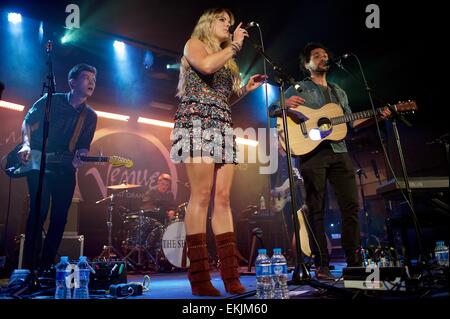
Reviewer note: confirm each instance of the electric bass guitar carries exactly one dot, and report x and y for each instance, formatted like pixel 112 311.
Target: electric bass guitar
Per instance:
pixel 13 166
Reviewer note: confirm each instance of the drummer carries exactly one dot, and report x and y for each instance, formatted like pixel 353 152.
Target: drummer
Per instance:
pixel 161 199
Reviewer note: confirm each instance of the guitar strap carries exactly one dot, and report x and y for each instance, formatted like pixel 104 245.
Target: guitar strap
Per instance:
pixel 77 131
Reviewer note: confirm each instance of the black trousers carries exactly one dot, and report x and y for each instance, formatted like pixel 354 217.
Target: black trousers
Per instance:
pixel 58 188
pixel 316 168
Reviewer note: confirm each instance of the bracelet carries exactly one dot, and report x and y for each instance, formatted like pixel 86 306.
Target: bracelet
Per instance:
pixel 235 47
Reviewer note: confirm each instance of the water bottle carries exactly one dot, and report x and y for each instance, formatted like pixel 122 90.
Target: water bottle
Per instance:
pixel 279 275
pixel 441 253
pixel 262 202
pixel 62 291
pixel 82 272
pixel 264 286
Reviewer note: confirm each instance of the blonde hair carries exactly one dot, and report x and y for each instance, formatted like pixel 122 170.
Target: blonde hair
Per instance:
pixel 203 32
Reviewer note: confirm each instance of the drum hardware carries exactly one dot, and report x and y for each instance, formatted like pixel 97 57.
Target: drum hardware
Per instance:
pixel 137 239
pixel 108 250
pixel 148 239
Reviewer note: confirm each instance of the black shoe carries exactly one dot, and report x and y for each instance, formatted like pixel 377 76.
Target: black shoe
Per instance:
pixel 323 273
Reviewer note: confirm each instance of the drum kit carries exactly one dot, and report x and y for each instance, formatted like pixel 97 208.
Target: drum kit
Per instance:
pixel 147 243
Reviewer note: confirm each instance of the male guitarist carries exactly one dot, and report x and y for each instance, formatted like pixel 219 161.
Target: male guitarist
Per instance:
pixel 329 161
pixel 72 127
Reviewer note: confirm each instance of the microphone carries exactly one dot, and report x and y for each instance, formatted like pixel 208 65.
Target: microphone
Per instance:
pixel 245 26
pixel 337 61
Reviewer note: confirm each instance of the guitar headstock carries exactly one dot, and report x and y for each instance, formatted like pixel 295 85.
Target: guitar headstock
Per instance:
pixel 406 107
pixel 118 161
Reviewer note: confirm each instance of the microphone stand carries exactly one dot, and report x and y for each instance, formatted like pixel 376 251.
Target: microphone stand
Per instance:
pixel 301 274
pixel 397 116
pixel 51 87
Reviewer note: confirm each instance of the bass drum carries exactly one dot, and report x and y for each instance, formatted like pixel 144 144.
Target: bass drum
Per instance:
pixel 173 244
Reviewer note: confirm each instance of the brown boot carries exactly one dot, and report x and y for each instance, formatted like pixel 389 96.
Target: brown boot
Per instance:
pixel 227 252
pixel 198 273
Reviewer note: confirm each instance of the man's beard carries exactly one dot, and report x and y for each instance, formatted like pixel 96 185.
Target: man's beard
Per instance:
pixel 322 70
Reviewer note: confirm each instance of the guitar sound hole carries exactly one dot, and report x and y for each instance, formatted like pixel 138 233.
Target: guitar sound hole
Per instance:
pixel 324 125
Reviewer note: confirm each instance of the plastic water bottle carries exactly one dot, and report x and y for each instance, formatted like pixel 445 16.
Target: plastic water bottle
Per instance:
pixel 441 253
pixel 82 273
pixel 264 285
pixel 62 271
pixel 279 275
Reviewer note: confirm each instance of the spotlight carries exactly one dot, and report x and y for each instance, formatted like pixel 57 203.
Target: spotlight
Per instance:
pixel 41 31
pixel 119 48
pixel 119 45
pixel 65 39
pixel 148 59
pixel 14 17
pixel 175 66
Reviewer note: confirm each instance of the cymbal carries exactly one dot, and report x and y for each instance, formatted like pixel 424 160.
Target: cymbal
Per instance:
pixel 123 186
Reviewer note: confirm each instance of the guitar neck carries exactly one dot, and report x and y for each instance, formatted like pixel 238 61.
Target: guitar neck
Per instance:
pixel 94 158
pixel 354 116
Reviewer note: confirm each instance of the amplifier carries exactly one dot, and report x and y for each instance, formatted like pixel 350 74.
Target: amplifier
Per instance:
pixel 375 278
pixel 71 246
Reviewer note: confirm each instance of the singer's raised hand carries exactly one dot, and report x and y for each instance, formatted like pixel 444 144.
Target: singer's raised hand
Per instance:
pixel 239 34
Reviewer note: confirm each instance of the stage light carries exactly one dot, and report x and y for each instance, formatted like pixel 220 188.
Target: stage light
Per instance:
pixel 175 66
pixel 246 141
pixel 65 39
pixel 148 59
pixel 332 225
pixel 11 106
pixel 69 36
pixel 113 116
pixel 119 45
pixel 144 120
pixel 14 17
pixel 41 31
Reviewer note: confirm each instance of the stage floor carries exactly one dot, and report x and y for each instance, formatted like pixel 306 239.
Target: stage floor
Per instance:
pixel 175 285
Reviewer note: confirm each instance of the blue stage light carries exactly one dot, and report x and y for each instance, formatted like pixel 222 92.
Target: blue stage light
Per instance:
pixel 14 17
